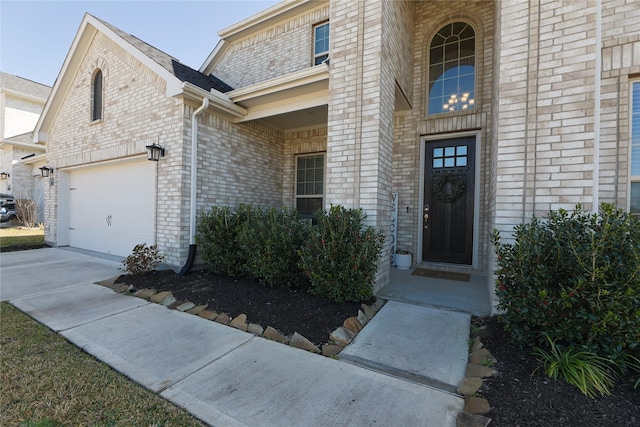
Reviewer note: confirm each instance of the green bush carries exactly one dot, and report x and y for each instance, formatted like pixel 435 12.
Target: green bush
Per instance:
pixel 340 255
pixel 142 260
pixel 574 277
pixel 270 240
pixel 217 240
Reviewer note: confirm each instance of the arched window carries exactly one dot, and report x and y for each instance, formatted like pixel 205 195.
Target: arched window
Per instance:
pixel 96 110
pixel 452 56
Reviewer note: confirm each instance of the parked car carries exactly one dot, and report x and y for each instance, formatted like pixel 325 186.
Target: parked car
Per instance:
pixel 7 208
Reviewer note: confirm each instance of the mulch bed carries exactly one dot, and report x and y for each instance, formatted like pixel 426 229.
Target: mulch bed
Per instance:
pixel 517 395
pixel 521 397
pixel 312 316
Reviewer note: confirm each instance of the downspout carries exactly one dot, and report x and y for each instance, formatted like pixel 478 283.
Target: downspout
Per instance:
pixel 194 177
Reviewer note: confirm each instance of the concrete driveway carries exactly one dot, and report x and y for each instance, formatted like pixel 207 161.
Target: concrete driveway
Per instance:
pixel 34 272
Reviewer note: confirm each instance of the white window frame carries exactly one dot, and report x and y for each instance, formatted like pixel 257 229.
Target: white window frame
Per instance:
pixel 324 179
pixel 634 115
pixel 317 55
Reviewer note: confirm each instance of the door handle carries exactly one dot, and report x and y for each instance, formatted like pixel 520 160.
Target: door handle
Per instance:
pixel 426 216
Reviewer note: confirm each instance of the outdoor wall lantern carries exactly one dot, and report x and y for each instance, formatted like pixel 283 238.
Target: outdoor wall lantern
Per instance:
pixel 154 152
pixel 47 172
pixel 4 175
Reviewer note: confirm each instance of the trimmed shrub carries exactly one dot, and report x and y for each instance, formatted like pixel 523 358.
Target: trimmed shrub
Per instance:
pixel 217 238
pixel 575 278
pixel 142 260
pixel 270 240
pixel 340 255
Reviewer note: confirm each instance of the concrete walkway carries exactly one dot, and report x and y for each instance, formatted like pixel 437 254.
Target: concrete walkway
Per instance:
pixel 227 377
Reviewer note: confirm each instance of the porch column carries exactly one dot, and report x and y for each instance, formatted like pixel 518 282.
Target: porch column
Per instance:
pixel 360 118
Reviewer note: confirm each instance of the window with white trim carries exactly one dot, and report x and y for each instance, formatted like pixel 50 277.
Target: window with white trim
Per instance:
pixel 321 43
pixel 309 184
pixel 634 205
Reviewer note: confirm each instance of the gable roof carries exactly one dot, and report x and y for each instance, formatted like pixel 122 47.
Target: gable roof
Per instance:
pixel 272 16
pixel 24 87
pixel 181 80
pixel 183 72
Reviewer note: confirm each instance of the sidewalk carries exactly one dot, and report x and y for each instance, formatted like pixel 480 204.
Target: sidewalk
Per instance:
pixel 224 376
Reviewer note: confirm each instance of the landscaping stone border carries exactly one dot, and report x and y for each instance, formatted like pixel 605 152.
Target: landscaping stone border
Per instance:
pixel 337 339
pixel 479 366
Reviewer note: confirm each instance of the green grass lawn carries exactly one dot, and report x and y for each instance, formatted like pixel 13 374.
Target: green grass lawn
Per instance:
pixel 47 382
pixel 21 236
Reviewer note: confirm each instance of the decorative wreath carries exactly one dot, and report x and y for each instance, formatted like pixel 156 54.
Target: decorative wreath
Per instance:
pixel 457 188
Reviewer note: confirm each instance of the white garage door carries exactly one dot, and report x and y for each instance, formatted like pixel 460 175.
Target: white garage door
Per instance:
pixel 112 208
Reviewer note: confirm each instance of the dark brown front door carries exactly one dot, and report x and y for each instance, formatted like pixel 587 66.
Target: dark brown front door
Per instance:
pixel 447 216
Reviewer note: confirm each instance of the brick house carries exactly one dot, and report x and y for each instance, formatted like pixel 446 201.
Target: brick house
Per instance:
pixel 450 119
pixel 21 102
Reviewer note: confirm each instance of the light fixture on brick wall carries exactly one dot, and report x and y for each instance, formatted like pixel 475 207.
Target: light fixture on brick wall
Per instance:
pixel 4 175
pixel 47 172
pixel 154 152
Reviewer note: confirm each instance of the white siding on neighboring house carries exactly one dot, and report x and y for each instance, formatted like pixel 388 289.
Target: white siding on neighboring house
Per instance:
pixel 21 102
pixel 20 116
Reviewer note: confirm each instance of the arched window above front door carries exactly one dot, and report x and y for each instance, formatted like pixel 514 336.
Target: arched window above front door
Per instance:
pixel 452 56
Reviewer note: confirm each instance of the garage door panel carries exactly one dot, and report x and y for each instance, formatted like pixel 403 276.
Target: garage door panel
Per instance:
pixel 112 208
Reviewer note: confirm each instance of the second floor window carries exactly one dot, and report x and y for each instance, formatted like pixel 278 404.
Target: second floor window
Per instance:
pixel 452 57
pixel 320 43
pixel 96 94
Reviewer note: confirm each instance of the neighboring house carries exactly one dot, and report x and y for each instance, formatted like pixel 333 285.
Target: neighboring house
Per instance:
pixel 473 116
pixel 21 102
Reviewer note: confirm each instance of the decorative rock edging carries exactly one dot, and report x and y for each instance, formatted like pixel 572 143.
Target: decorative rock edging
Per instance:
pixel 338 339
pixel 478 368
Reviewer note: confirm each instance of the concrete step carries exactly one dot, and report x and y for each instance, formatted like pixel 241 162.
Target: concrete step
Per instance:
pixel 424 345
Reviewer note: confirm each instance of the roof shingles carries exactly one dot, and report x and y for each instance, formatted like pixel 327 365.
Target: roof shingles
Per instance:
pixel 183 72
pixel 24 86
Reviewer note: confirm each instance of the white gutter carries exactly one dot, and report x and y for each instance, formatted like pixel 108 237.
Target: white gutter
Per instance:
pixel 25 145
pixel 218 100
